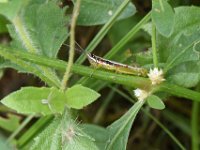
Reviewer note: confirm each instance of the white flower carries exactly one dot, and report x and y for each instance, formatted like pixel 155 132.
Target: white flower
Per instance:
pixel 141 94
pixel 156 76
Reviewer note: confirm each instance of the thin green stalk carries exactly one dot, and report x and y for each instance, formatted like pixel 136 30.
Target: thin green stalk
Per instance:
pixel 72 45
pixel 127 80
pixel 34 130
pixel 20 128
pixel 195 126
pixel 152 117
pixel 153 42
pixel 166 131
pixel 128 36
pixel 132 81
pixel 103 31
pixel 179 91
pixel 181 122
pixel 103 107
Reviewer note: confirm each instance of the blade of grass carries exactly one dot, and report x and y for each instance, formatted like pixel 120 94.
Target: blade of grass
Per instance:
pixel 34 130
pixel 195 126
pixel 154 50
pixel 103 31
pixel 104 105
pixel 181 122
pixel 127 37
pixel 21 127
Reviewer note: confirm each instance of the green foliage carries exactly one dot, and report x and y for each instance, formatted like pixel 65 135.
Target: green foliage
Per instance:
pixel 155 102
pixel 179 50
pixel 185 74
pixel 3 23
pixel 163 17
pixel 95 12
pixel 11 8
pixel 79 96
pixel 99 133
pixel 119 130
pixel 63 133
pixel 4 145
pixel 49 100
pixel 11 123
pixel 39 28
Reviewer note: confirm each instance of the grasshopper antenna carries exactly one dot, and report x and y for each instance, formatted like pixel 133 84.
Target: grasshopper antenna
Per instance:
pixel 79 49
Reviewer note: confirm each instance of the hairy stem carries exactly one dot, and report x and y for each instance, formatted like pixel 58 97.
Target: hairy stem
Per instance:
pixel 72 45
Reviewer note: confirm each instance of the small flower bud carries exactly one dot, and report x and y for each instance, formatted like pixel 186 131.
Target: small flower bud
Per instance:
pixel 141 94
pixel 156 76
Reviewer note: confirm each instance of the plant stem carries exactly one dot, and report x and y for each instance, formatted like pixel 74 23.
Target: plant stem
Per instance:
pixel 72 45
pixel 128 36
pixel 24 123
pixel 101 110
pixel 127 80
pixel 154 50
pixel 103 31
pixel 35 129
pixel 195 126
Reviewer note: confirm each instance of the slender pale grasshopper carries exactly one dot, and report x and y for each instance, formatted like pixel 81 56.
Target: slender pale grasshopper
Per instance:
pixel 99 62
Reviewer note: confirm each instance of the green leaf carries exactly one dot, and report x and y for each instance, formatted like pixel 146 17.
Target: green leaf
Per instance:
pixel 30 100
pixel 11 8
pixel 63 134
pixel 100 138
pixel 79 96
pixel 186 74
pixel 182 50
pixel 155 102
pixel 119 130
pixel 163 17
pixel 186 23
pixel 4 144
pixel 95 12
pixel 39 28
pixel 11 123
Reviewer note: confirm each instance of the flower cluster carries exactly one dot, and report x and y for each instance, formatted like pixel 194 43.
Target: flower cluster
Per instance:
pixel 156 76
pixel 141 94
